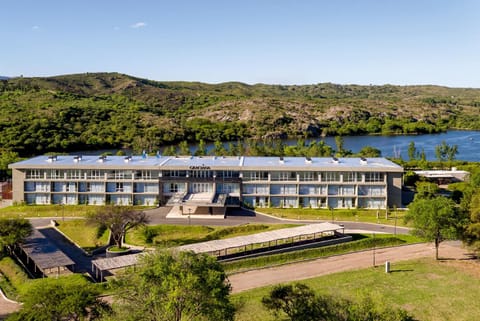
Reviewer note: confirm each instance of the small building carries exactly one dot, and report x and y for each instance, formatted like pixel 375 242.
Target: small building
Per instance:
pixel 209 184
pixel 444 177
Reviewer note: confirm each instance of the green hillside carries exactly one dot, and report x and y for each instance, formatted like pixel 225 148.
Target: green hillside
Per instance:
pixel 111 110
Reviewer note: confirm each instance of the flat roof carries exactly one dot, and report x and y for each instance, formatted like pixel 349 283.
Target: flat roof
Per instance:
pixel 89 161
pixel 117 262
pixel 210 162
pixel 316 163
pixel 203 161
pixel 44 253
pixel 263 237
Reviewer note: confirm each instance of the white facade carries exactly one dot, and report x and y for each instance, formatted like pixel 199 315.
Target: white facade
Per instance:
pixel 250 181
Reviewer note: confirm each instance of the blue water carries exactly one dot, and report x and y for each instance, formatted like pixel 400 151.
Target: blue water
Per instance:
pixel 468 143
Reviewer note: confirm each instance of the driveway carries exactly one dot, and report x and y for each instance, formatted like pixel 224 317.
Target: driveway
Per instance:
pixel 238 217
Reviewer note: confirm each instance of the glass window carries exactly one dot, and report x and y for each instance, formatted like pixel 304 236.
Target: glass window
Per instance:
pixel 374 177
pixel 348 176
pixel 35 173
pixel 330 176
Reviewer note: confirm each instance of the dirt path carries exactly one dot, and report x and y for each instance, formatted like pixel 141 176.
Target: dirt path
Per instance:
pixel 299 271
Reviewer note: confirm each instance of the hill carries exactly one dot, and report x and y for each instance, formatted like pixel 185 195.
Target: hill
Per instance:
pixel 112 110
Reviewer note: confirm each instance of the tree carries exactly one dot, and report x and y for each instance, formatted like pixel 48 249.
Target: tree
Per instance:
pixel 445 152
pixel 175 286
pixel 202 148
pixel 169 151
pixel 219 149
pixel 184 149
pixel 7 157
pixel 66 298
pixel 13 231
pixel 426 190
pixel 434 219
pixel 300 303
pixel 412 151
pixel 339 142
pixel 369 151
pixel 118 219
pixel 471 234
pixel 297 301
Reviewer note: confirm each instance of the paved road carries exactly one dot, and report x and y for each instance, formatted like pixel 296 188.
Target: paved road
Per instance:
pixel 305 270
pixel 7 307
pixel 238 217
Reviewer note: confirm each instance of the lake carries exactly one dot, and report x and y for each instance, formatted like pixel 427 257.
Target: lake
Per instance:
pixel 468 143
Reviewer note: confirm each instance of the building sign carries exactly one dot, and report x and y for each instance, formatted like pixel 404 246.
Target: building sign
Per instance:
pixel 200 167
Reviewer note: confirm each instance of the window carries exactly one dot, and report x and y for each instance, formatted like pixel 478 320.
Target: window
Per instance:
pixel 74 174
pixel 56 174
pixel 284 176
pixel 34 173
pixel 123 174
pixel 173 188
pixel 308 176
pixel 255 176
pixel 201 174
pixel 95 174
pixel 119 187
pixel 146 174
pixel 201 187
pixel 174 173
pixel 348 177
pixel 374 177
pixel 331 176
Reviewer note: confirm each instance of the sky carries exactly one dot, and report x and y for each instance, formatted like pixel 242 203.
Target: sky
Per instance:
pixel 401 42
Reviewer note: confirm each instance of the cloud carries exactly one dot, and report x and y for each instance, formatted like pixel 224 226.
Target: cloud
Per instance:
pixel 138 25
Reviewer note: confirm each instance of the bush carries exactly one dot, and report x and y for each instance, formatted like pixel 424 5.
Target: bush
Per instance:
pixel 13 278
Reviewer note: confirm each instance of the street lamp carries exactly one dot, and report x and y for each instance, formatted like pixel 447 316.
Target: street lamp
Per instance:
pixel 373 234
pixel 395 211
pixel 189 212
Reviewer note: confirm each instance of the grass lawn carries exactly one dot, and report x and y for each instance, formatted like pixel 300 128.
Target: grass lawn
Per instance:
pixel 12 277
pixel 84 235
pixel 354 215
pixel 45 211
pixel 49 210
pixel 431 291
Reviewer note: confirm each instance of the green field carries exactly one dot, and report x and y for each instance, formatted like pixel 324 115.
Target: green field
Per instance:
pixel 431 291
pixel 354 215
pixel 56 211
pixel 84 235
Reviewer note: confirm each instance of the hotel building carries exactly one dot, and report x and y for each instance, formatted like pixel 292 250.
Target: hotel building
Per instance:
pixel 209 184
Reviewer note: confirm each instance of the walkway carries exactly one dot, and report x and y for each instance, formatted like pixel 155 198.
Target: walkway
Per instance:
pixel 360 260
pixel 7 307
